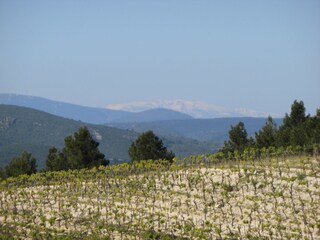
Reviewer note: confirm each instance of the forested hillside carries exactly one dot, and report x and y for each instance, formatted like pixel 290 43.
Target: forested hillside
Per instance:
pixel 200 129
pixel 35 131
pixel 298 131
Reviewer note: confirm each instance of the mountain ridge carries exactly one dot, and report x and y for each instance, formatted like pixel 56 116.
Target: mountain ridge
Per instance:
pixel 91 115
pixel 197 109
pixel 152 115
pixel 62 109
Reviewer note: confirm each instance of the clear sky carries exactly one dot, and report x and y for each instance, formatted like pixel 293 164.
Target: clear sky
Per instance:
pixel 259 55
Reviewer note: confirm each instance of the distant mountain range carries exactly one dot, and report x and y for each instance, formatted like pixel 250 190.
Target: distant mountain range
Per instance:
pixel 35 131
pixel 130 112
pixel 90 114
pixel 35 124
pixel 196 109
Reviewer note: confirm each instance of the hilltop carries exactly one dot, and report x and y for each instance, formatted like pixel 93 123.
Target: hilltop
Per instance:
pixel 89 114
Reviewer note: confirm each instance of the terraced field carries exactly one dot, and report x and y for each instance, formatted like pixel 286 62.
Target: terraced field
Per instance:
pixel 197 198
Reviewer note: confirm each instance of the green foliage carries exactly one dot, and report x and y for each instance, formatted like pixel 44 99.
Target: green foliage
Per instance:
pixel 299 129
pixel 298 113
pixel 35 131
pixel 238 139
pixel 267 135
pixel 28 129
pixel 80 151
pixel 149 146
pixel 56 160
pixel 316 127
pixel 213 129
pixel 24 164
pixel 2 173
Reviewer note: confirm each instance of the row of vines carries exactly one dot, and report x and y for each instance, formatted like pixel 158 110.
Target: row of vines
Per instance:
pixel 202 197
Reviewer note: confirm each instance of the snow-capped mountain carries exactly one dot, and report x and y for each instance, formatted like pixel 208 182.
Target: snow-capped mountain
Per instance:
pixel 196 109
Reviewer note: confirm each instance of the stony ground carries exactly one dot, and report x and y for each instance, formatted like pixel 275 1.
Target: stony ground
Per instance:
pixel 269 199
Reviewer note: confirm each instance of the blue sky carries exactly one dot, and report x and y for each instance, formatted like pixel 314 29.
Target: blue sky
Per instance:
pixel 259 55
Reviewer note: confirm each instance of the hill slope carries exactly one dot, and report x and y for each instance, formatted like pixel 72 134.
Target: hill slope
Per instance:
pixel 216 129
pixel 35 131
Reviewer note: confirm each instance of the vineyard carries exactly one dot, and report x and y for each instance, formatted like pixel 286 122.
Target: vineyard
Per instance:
pixel 201 197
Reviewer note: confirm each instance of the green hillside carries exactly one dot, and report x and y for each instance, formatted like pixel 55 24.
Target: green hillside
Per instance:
pixel 35 131
pixel 215 129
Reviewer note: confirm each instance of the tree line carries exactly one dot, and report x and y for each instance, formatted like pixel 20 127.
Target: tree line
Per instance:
pixel 297 131
pixel 81 150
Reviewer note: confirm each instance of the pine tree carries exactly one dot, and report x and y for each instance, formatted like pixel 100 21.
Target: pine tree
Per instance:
pixel 56 160
pixel 267 135
pixel 298 113
pixel 81 150
pixel 294 130
pixel 238 138
pixel 148 146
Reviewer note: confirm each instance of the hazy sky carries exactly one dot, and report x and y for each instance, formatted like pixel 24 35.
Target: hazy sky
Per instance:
pixel 254 54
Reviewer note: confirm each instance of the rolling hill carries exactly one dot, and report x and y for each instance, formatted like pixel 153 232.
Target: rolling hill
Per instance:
pixel 28 129
pixel 215 129
pixel 89 114
pixel 35 131
pixel 66 110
